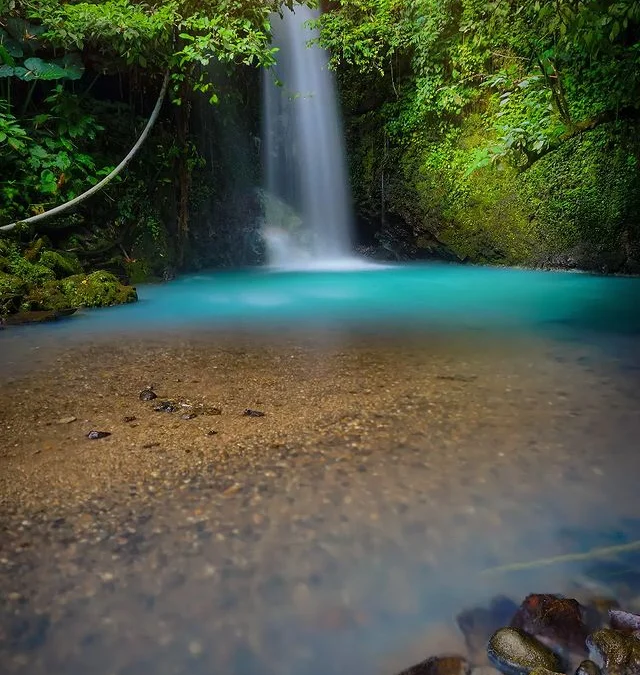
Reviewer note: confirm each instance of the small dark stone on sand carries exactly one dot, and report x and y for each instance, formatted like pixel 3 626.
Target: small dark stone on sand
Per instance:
pixel 166 406
pixel 94 435
pixel 253 413
pixel 148 395
pixel 211 432
pixel 128 418
pixel 67 420
pixel 457 378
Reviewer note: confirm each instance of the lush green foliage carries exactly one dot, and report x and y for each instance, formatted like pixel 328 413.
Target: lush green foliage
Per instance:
pixel 183 36
pixel 76 82
pixel 481 107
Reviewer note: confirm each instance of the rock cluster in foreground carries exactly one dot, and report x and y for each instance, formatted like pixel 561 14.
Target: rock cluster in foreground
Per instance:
pixel 547 634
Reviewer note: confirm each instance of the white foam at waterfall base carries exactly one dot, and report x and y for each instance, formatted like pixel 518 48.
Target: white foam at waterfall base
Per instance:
pixel 286 254
pixel 308 218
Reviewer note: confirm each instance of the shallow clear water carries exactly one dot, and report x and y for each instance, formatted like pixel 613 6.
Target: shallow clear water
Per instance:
pixel 497 412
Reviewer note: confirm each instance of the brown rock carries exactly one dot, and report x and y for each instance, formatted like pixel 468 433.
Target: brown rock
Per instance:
pixel 553 619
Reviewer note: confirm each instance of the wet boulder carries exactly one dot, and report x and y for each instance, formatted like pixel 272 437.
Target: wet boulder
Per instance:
pixel 514 652
pixel 588 667
pixel 554 620
pixel 98 289
pixel 624 621
pixel 615 651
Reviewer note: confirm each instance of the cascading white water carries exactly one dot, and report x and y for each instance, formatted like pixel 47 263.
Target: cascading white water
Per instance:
pixel 308 219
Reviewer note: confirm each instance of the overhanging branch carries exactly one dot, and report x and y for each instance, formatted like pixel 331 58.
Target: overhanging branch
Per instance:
pixel 107 179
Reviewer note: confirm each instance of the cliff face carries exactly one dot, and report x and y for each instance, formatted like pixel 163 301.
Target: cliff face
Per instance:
pixel 575 208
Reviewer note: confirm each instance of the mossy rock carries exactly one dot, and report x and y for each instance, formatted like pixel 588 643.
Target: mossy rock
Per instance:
pixel 33 251
pixel 138 271
pixel 98 289
pixel 32 273
pixel 49 296
pixel 61 264
pixel 11 284
pixel 12 290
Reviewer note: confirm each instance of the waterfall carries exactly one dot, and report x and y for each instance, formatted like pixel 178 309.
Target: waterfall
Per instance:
pixel 308 219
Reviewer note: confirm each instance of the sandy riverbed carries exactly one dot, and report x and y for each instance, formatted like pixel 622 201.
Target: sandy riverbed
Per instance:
pixel 341 530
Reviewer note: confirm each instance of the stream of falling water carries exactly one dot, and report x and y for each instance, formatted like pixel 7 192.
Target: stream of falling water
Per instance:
pixel 308 218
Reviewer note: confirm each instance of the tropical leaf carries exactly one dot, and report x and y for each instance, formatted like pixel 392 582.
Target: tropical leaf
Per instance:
pixel 12 46
pixel 37 69
pixel 24 32
pixel 73 66
pixel 5 57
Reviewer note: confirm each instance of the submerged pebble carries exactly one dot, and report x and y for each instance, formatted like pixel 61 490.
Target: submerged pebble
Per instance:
pixel 67 420
pixel 94 435
pixel 166 406
pixel 148 395
pixel 514 652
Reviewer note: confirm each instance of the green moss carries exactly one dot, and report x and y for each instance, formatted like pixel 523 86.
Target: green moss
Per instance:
pixel 574 206
pixel 585 194
pixel 137 271
pixel 33 251
pixel 479 215
pixel 61 264
pixel 48 296
pixel 12 290
pixel 10 284
pixel 98 289
pixel 31 273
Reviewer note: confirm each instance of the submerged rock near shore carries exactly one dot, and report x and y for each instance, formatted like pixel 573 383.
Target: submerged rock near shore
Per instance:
pixel 547 634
